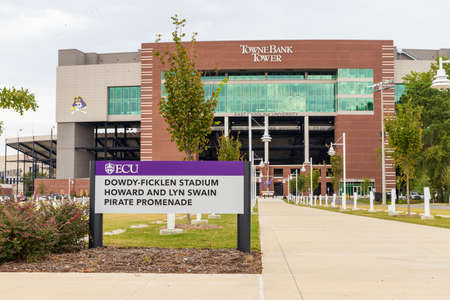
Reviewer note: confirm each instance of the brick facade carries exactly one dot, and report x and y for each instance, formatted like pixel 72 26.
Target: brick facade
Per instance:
pixel 79 186
pixel 362 131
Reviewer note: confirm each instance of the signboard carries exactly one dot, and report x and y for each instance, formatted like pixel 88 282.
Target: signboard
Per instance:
pixel 169 187
pixel 267 53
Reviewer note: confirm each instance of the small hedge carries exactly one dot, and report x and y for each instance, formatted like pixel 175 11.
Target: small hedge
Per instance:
pixel 29 231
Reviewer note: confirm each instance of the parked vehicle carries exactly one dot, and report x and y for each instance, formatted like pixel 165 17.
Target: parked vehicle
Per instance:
pixel 415 196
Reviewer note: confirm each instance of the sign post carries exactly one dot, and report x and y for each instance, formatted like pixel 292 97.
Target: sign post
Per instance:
pixel 244 220
pixel 95 220
pixel 162 187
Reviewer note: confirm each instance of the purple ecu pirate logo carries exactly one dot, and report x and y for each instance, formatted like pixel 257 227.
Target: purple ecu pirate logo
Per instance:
pixel 121 168
pixel 109 168
pixel 79 104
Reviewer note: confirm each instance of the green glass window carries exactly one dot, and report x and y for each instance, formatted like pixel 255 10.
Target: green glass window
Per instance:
pixel 399 90
pixel 274 97
pixel 124 100
pixel 354 91
pixel 355 104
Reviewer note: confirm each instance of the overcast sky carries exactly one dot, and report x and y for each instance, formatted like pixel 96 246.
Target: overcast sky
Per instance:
pixel 32 31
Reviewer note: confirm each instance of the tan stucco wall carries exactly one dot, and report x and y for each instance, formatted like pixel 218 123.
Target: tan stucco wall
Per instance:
pixel 403 67
pixel 91 82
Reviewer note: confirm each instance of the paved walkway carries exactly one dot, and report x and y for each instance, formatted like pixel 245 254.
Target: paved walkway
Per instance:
pixel 316 254
pixel 307 254
pixel 116 286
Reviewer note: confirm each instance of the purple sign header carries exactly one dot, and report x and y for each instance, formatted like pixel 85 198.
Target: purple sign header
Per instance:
pixel 169 168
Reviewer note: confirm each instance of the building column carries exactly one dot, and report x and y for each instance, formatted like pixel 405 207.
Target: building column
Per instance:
pixel 306 138
pixel 225 126
pixel 266 142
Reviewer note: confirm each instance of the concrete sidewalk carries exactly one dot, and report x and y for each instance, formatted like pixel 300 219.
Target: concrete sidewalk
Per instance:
pixel 101 286
pixel 315 254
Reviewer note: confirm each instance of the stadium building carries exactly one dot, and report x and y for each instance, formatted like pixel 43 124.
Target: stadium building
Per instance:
pixel 304 93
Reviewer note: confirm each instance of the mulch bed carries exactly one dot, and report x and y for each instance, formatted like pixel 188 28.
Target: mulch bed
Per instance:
pixel 144 260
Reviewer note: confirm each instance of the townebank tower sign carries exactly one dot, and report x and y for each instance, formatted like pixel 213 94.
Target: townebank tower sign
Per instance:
pixel 267 53
pixel 169 187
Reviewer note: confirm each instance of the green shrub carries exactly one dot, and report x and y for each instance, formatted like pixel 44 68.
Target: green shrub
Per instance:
pixel 25 232
pixel 72 221
pixel 28 231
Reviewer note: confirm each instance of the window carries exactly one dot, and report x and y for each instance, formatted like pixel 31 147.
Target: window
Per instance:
pixel 277 172
pixel 124 100
pixel 399 90
pixel 354 91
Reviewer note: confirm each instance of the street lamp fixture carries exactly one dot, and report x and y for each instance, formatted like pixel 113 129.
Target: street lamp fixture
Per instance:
pixel 441 81
pixel 332 152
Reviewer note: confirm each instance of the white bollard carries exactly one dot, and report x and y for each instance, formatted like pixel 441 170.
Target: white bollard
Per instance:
pixel 426 203
pixel 333 202
pixel 170 226
pixel 296 200
pixel 198 219
pixel 320 200
pixel 371 198
pixel 344 202
pixel 170 221
pixel 391 209
pixel 315 200
pixel 355 201
pixel 326 200
pixel 310 200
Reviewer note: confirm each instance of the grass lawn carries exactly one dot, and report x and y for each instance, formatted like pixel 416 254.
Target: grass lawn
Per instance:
pixel 225 237
pixel 437 221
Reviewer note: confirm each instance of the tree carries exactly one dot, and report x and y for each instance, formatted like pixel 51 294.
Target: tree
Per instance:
pixel 186 111
pixel 188 114
pixel 229 148
pixel 28 181
pixel 337 170
pixel 17 100
pixel 405 139
pixel 365 186
pixel 299 184
pixel 435 161
pixel 315 180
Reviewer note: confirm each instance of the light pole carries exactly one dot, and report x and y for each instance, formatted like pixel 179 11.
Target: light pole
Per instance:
pixel 310 177
pixel 331 152
pixel 17 162
pixel 50 171
pixel 380 87
pixel 441 81
pixel 266 138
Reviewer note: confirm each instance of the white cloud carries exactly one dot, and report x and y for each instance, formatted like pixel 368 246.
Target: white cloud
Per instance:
pixel 38 23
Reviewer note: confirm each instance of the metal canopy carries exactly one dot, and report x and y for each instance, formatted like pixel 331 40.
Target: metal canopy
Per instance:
pixel 40 148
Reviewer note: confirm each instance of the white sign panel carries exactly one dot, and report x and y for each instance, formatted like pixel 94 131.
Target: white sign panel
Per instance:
pixel 169 187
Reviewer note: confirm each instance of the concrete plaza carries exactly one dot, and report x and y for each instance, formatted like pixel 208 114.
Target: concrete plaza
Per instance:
pixel 316 254
pixel 307 254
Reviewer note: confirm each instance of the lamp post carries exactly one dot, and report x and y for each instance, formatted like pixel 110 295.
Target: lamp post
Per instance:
pixel 303 169
pixel 17 162
pixel 266 138
pixel 331 152
pixel 441 81
pixel 380 87
pixel 50 171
